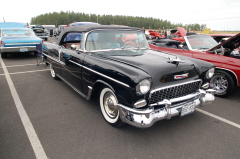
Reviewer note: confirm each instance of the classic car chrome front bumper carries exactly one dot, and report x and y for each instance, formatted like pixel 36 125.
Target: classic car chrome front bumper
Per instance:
pixel 18 49
pixel 147 117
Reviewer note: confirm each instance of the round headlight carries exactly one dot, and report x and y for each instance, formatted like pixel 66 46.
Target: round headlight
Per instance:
pixel 210 73
pixel 143 87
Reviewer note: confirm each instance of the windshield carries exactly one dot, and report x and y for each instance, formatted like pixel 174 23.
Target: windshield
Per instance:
pixel 116 40
pixel 17 32
pixel 198 42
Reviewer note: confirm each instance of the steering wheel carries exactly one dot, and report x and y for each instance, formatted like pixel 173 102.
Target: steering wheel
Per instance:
pixel 132 41
pixel 222 51
pixel 125 44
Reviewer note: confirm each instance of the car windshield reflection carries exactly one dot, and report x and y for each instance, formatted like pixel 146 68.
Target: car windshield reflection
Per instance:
pixel 17 32
pixel 201 42
pixel 108 40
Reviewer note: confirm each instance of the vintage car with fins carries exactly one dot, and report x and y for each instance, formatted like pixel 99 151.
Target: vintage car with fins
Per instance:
pixel 135 85
pixel 18 40
pixel 224 55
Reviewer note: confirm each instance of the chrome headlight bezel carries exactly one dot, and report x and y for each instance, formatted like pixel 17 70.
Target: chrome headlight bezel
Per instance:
pixel 210 73
pixel 143 87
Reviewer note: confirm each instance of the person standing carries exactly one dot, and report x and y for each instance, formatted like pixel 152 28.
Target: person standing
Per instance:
pixel 168 34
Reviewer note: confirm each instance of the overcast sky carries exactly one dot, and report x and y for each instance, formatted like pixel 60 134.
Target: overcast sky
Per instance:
pixel 216 14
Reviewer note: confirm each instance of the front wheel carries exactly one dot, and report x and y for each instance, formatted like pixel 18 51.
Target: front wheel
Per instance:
pixel 53 74
pixel 109 107
pixel 223 83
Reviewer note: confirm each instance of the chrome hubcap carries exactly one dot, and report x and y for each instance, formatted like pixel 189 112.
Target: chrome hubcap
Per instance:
pixel 52 71
pixel 220 83
pixel 110 105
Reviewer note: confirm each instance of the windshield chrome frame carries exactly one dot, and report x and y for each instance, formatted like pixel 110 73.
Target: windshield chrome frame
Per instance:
pixel 86 35
pixel 190 46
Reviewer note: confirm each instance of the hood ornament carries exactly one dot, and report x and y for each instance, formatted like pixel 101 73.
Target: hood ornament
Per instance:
pixel 175 60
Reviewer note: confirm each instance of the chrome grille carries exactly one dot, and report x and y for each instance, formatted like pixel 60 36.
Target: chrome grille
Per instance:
pixel 175 91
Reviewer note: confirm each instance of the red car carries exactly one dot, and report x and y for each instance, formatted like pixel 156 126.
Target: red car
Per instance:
pixel 221 37
pixel 178 34
pixel 225 56
pixel 155 34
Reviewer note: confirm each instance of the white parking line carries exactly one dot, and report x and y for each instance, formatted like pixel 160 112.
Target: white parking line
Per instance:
pixel 32 135
pixel 219 118
pixel 26 72
pixel 20 65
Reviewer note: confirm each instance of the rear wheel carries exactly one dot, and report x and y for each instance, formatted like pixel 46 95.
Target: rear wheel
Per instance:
pixel 109 107
pixel 53 74
pixel 223 83
pixel 3 54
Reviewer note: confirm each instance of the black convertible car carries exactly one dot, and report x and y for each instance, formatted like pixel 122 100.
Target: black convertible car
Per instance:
pixel 135 84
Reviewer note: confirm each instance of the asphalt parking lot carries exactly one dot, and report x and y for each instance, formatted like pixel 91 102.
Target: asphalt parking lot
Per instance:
pixel 44 118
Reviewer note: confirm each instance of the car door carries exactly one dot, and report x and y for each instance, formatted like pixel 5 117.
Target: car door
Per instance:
pixel 72 59
pixel 52 51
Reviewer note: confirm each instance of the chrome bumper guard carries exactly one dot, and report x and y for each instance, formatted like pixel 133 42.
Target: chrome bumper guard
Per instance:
pixel 18 49
pixel 147 117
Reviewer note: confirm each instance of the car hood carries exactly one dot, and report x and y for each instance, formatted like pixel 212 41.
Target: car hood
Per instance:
pixel 182 31
pixel 159 67
pixel 232 43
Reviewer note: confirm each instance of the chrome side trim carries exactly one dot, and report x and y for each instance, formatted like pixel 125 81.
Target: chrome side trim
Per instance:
pixel 18 47
pixel 54 59
pixel 21 44
pixel 230 71
pixel 89 93
pixel 100 74
pixel 75 89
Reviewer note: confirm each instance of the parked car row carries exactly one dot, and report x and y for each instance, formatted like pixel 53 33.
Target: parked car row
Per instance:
pixel 225 56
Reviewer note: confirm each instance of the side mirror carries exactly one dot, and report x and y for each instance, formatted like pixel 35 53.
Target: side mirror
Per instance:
pixel 73 47
pixel 181 46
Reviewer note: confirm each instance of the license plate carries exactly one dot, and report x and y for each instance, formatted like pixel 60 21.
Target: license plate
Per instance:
pixel 23 49
pixel 188 108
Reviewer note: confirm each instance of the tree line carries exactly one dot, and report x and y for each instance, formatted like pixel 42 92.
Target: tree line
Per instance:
pixel 62 18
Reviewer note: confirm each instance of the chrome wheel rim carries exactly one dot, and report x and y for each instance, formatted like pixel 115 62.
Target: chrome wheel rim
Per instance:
pixel 219 83
pixel 52 71
pixel 110 105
